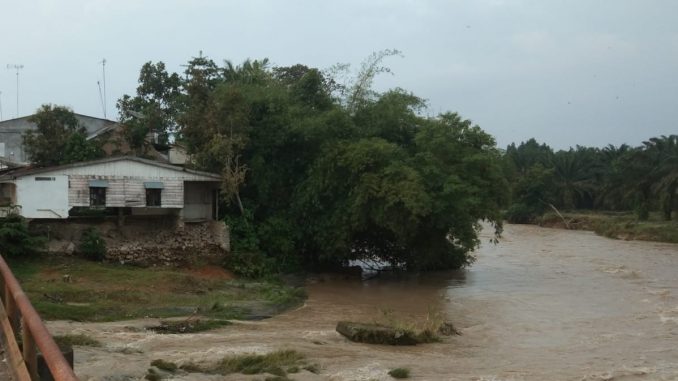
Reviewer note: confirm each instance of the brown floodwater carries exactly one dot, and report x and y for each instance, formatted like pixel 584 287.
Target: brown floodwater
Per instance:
pixel 543 304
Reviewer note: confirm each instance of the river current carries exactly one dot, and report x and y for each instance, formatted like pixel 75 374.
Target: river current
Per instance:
pixel 543 304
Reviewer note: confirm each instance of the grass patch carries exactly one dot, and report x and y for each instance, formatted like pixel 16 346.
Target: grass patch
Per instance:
pixel 76 289
pixel 152 375
pixel 389 329
pixel 400 373
pixel 278 363
pixel 165 365
pixel 617 225
pixel 71 340
pixel 189 325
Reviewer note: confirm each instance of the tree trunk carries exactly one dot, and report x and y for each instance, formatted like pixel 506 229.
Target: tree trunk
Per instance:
pixel 237 199
pixel 668 203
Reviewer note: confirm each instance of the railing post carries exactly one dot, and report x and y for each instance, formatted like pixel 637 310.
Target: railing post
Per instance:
pixel 11 310
pixel 2 290
pixel 30 352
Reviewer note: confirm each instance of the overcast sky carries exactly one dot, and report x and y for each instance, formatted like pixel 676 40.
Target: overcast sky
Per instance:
pixel 588 72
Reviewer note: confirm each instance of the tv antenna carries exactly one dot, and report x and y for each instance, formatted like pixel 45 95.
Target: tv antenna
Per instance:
pixel 103 72
pixel 101 99
pixel 17 68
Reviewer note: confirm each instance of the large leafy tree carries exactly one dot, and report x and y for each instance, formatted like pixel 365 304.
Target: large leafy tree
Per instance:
pixel 321 173
pixel 58 138
pixel 155 107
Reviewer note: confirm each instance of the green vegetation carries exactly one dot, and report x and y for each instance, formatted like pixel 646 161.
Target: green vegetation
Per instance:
pixel 319 171
pixel 58 138
pixel 189 325
pixel 620 179
pixel 92 246
pixel 15 239
pixel 618 225
pixel 400 373
pixel 79 339
pixel 167 366
pixel 81 290
pixel 278 363
pixel 153 375
pixel 391 330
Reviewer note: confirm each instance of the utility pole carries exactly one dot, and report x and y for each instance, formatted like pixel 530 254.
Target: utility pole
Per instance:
pixel 0 105
pixel 103 72
pixel 17 68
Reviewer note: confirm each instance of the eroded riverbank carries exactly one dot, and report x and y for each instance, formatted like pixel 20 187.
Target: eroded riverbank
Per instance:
pixel 543 304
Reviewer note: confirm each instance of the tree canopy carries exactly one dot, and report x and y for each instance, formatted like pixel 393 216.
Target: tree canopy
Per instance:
pixel 613 178
pixel 58 138
pixel 319 170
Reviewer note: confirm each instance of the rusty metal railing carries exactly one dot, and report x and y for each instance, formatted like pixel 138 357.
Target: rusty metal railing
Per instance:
pixel 18 315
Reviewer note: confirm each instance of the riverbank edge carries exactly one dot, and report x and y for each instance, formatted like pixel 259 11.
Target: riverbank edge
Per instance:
pixel 622 226
pixel 74 289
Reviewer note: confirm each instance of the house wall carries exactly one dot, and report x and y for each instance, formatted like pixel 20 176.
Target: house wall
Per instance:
pixel 7 194
pixel 43 199
pixel 126 191
pixel 198 200
pixel 177 155
pixel 114 142
pixel 69 187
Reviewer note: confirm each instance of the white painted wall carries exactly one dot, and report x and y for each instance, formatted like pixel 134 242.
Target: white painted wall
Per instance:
pixel 43 199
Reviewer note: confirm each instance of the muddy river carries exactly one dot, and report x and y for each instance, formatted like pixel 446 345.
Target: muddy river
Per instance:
pixel 543 304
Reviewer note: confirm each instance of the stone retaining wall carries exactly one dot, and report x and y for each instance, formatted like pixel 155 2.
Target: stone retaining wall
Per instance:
pixel 161 240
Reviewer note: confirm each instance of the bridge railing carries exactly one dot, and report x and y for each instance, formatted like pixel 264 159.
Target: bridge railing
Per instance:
pixel 17 315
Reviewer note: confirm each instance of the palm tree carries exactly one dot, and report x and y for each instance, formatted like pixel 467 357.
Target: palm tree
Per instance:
pixel 575 176
pixel 249 72
pixel 613 192
pixel 663 153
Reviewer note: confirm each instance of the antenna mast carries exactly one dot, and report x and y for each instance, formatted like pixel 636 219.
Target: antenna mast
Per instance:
pixel 101 99
pixel 17 68
pixel 103 72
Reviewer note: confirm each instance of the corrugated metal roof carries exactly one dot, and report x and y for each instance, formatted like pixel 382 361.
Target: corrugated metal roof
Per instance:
pixel 25 171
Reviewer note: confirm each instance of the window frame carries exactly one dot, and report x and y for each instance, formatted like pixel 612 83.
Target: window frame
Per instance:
pixel 155 195
pixel 97 197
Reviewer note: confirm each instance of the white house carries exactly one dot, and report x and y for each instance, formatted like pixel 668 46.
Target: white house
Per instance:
pixel 133 185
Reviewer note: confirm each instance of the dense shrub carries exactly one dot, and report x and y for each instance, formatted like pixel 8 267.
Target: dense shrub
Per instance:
pixel 92 246
pixel 15 239
pixel 250 264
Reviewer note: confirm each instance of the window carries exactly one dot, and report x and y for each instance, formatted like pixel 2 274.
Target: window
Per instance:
pixel 39 178
pixel 153 193
pixel 97 196
pixel 153 197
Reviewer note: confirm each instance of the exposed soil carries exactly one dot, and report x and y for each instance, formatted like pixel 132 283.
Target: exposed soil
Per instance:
pixel 212 272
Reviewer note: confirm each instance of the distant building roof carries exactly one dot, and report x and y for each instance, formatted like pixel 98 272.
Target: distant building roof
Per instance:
pixel 75 113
